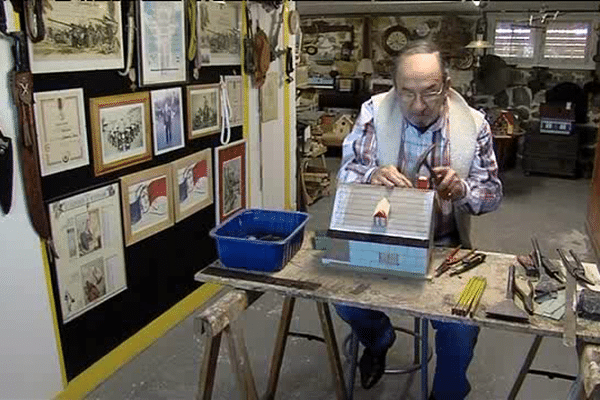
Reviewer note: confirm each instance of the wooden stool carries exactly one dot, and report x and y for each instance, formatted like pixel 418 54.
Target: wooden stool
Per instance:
pixel 222 317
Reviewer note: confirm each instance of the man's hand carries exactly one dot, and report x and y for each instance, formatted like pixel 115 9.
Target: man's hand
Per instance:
pixel 390 177
pixel 449 186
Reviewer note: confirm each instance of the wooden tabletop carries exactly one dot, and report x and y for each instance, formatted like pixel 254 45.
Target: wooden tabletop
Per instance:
pixel 305 276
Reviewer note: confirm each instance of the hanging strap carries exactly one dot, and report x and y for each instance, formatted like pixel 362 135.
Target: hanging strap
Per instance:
pixel 34 18
pixel 225 113
pixel 130 36
pixel 192 21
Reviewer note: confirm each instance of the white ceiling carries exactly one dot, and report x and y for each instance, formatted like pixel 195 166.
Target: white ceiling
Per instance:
pixel 319 8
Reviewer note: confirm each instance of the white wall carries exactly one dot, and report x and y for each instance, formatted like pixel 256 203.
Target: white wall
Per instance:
pixel 29 362
pixel 266 141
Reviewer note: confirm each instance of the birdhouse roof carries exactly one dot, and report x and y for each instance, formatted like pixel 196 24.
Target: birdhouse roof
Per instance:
pixel 410 218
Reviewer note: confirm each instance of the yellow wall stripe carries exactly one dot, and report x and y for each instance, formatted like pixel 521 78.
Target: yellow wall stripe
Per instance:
pixel 286 118
pixel 89 379
pixel 61 359
pixel 246 126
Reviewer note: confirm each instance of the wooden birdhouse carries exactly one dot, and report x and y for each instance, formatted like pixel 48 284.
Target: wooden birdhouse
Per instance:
pixel 392 236
pixel 343 126
pixel 504 125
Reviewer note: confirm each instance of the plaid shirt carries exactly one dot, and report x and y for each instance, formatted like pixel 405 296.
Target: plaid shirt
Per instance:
pixel 484 189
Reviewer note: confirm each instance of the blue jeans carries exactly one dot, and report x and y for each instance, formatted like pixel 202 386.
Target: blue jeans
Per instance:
pixel 454 346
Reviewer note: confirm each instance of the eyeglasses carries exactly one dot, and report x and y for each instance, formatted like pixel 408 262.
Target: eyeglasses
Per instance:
pixel 408 97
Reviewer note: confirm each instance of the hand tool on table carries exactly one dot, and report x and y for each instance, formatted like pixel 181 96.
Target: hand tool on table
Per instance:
pixel 546 288
pixel 469 297
pixel 454 261
pixel 468 263
pixel 536 256
pixel 445 265
pixel 576 269
pixel 507 309
pixel 545 263
pixel 525 294
pixel 422 161
pixel 529 265
pixel 6 173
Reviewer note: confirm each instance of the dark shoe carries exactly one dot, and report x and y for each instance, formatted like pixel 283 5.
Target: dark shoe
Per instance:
pixel 372 367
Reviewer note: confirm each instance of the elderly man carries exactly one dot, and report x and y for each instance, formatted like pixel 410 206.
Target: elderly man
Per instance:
pixel 390 133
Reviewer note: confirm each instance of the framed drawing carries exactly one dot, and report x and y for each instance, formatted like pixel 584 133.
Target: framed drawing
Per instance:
pixel 80 36
pixel 230 168
pixel 167 120
pixel 120 131
pixel 236 99
pixel 147 203
pixel 192 179
pixel 87 235
pixel 162 51
pixel 61 130
pixel 204 110
pixel 219 33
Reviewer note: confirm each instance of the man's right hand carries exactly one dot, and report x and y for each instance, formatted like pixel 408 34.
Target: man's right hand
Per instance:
pixel 390 177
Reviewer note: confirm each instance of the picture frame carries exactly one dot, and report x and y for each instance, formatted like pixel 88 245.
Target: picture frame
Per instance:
pixel 203 110
pixel 269 96
pixel 193 183
pixel 80 36
pixel 147 199
pixel 235 92
pixel 230 178
pixel 219 35
pixel 121 131
pixel 167 120
pixel 61 130
pixel 161 45
pixel 90 267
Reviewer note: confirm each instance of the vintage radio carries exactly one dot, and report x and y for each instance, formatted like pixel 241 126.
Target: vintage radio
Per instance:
pixel 557 119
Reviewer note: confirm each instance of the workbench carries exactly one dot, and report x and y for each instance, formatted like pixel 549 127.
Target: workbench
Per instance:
pixel 305 277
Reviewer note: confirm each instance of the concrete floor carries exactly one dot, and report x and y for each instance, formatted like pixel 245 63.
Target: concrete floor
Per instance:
pixel 553 209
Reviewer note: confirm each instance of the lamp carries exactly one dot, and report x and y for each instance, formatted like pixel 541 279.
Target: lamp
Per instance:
pixel 365 68
pixel 480 45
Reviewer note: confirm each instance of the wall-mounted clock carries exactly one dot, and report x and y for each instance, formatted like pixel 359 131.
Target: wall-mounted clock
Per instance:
pixel 395 38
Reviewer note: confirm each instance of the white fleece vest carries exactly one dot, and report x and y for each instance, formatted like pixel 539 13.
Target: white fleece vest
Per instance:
pixel 462 131
pixel 464 123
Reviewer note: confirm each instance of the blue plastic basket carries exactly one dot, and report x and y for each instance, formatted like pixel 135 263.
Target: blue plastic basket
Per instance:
pixel 260 240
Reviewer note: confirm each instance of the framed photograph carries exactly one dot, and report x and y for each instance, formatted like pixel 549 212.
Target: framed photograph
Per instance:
pixel 87 234
pixel 230 168
pixel 120 131
pixel 167 120
pixel 147 203
pixel 219 33
pixel 162 51
pixel 204 110
pixel 236 99
pixel 192 179
pixel 61 130
pixel 80 36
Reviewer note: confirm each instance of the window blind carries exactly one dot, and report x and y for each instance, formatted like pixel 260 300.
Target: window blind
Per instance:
pixel 566 40
pixel 513 40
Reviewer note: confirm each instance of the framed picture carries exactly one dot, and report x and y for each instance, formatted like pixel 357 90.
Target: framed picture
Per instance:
pixel 147 203
pixel 204 110
pixel 80 36
pixel 219 33
pixel 269 96
pixel 162 51
pixel 120 131
pixel 61 130
pixel 167 120
pixel 87 234
pixel 236 99
pixel 192 179
pixel 230 168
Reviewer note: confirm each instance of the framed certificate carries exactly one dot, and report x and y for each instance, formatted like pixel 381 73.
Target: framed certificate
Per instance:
pixel 61 130
pixel 162 51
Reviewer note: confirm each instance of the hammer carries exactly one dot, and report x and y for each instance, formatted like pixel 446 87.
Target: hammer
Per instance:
pixel 422 160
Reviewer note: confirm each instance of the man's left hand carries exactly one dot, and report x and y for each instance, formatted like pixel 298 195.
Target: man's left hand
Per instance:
pixel 448 184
